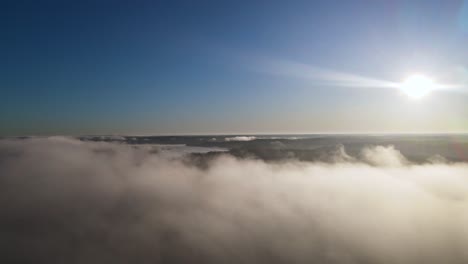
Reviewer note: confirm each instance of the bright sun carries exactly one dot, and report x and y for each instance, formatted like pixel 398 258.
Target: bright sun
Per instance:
pixel 417 86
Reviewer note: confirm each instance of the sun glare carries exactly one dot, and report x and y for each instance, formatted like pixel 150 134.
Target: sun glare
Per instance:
pixel 417 86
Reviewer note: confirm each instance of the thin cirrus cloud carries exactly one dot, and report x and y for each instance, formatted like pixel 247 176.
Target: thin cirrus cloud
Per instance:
pixel 293 69
pixel 106 202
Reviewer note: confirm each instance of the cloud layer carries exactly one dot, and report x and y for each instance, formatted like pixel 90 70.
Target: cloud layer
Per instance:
pixel 67 201
pixel 240 138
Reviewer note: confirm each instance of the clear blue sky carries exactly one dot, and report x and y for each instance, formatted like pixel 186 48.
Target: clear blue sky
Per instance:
pixel 204 67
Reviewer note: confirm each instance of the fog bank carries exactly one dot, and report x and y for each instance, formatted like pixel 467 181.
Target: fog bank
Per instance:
pixel 68 201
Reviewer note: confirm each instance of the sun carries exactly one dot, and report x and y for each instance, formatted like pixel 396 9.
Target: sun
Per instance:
pixel 417 86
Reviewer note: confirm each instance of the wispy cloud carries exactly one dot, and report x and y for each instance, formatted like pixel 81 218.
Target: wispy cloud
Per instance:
pixel 330 77
pixel 321 75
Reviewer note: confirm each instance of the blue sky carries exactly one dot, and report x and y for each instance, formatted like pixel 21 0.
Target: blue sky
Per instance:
pixel 204 67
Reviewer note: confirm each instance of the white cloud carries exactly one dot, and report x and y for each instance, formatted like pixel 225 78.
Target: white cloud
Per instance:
pixel 384 156
pixel 96 202
pixel 240 138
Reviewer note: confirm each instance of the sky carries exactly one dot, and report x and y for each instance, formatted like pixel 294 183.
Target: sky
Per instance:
pixel 231 67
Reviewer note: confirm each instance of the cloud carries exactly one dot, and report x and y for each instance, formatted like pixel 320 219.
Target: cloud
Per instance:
pixel 328 77
pixel 383 156
pixel 240 138
pixel 64 200
pixel 323 76
pixel 283 137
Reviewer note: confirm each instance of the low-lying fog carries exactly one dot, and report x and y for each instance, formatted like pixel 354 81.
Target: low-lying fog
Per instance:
pixel 67 201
